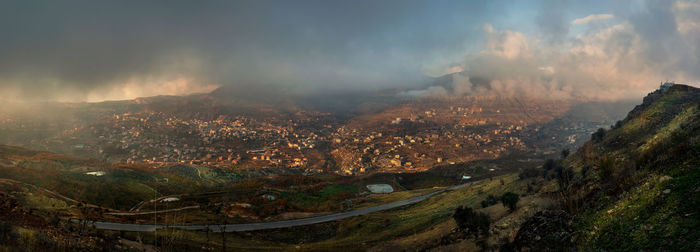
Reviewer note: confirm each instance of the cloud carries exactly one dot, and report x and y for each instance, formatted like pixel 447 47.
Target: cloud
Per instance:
pixel 551 20
pixel 453 69
pixel 76 49
pixel 592 18
pixel 612 61
pixel 137 87
pixel 81 50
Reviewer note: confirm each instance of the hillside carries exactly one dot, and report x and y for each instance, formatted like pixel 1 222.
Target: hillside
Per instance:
pixel 47 188
pixel 633 187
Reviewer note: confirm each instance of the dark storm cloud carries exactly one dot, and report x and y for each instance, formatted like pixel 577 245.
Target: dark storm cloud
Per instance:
pixel 671 32
pixel 75 47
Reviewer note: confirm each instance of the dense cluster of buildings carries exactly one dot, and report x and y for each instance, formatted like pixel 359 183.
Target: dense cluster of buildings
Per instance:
pixel 315 142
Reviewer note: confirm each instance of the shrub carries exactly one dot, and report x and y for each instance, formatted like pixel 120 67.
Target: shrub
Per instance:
pixel 598 135
pixel 550 164
pixel 510 200
pixel 27 240
pixel 45 241
pixel 489 201
pixel 618 124
pixel 606 167
pixel 586 168
pixel 472 222
pixel 529 172
pixel 587 150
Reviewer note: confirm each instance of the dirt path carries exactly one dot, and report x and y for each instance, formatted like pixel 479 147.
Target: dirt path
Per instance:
pixel 55 194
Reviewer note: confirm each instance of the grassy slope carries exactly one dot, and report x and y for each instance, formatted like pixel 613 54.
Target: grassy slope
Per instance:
pixel 362 232
pixel 119 188
pixel 123 187
pixel 646 218
pixel 650 199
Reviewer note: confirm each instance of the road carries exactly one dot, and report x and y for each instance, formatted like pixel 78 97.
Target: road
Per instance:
pixel 268 225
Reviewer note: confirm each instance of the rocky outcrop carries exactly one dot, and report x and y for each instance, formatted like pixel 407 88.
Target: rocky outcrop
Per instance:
pixel 548 230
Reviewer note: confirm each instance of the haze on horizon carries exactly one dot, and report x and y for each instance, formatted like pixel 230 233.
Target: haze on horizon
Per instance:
pixel 94 51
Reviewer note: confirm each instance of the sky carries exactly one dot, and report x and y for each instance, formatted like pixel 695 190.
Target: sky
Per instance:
pixel 99 50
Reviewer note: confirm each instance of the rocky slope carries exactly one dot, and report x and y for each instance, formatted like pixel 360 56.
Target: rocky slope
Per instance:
pixel 633 187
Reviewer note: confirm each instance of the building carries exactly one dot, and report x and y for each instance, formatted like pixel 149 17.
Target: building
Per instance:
pixel 666 85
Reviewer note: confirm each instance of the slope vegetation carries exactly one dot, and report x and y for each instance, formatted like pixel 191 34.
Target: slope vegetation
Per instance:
pixel 635 186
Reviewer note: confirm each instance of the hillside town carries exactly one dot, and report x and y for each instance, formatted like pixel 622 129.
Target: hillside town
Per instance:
pixel 314 142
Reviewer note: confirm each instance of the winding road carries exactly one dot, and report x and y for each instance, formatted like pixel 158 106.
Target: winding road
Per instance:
pixel 267 225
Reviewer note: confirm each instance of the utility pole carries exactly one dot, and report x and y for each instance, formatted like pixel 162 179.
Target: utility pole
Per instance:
pixel 155 214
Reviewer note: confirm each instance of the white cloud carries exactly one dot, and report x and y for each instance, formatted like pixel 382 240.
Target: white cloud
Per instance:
pixel 508 44
pixel 624 59
pixel 145 87
pixel 591 18
pixel 453 69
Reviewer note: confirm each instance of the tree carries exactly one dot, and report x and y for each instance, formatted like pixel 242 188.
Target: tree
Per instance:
pixel 472 222
pixel 564 176
pixel 5 233
pixel 551 164
pixel 565 153
pixel 510 200
pixel 529 172
pixel 606 167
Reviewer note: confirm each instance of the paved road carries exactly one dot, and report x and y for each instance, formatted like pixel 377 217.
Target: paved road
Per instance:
pixel 268 225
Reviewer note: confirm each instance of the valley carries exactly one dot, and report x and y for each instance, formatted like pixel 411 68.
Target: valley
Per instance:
pixel 179 204
pixel 364 125
pixel 408 135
